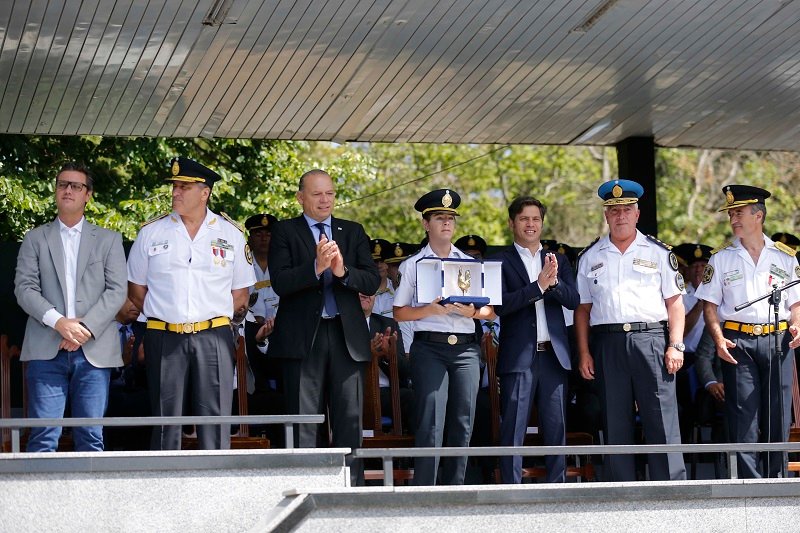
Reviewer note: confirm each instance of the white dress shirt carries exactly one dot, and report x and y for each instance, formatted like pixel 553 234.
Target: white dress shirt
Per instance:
pixel 629 287
pixel 406 294
pixel 735 279
pixel 533 265
pixel 71 241
pixel 189 280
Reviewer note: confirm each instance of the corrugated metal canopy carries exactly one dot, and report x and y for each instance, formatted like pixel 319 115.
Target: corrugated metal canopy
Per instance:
pixel 711 73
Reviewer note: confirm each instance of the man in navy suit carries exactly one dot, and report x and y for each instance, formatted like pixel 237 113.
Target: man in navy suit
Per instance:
pixel 533 358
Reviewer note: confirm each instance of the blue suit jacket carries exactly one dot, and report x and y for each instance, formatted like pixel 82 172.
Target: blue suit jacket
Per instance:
pixel 518 324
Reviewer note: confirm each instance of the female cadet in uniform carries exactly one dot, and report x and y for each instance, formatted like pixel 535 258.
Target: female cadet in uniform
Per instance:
pixel 445 352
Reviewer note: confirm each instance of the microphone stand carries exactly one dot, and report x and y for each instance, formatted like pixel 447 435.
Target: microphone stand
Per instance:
pixel 775 296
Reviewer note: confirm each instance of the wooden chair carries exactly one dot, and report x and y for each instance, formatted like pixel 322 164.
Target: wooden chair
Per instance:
pixel 7 353
pixel 242 440
pixel 374 434
pixel 582 469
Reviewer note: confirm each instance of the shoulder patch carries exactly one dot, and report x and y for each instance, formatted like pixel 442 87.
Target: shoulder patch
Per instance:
pixel 587 247
pixel 722 247
pixel 658 242
pixel 159 217
pixel 785 248
pixel 673 261
pixel 679 282
pixel 248 254
pixel 229 219
pixel 708 274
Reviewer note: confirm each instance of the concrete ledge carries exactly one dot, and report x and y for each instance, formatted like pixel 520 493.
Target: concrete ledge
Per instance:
pixel 213 491
pixel 729 505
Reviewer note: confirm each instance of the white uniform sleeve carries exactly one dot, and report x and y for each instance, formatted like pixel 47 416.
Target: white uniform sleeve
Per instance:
pixel 138 259
pixel 243 274
pixel 404 295
pixel 793 292
pixel 711 291
pixel 669 278
pixel 583 282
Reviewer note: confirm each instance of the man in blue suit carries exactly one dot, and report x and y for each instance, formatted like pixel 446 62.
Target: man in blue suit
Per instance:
pixel 534 356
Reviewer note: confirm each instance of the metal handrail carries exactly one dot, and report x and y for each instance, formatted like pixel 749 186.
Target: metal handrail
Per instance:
pixel 288 421
pixel 388 454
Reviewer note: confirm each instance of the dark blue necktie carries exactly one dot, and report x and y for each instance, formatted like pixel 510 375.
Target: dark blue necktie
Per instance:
pixel 327 281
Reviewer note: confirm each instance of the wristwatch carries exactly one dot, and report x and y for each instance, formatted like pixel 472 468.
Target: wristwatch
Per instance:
pixel 678 346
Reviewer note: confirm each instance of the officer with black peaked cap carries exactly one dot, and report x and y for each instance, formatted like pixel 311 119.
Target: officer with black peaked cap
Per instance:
pixel 445 353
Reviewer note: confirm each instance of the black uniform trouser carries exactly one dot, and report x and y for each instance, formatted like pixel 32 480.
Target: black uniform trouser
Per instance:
pixel 753 400
pixel 630 367
pixel 446 380
pixel 200 362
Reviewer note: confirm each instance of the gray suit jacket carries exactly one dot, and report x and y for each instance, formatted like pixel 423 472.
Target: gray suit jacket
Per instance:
pixel 100 290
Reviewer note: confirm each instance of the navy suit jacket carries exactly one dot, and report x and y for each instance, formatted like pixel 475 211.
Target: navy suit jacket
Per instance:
pixel 518 324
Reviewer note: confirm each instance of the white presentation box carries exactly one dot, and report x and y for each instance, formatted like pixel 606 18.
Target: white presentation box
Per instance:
pixel 467 281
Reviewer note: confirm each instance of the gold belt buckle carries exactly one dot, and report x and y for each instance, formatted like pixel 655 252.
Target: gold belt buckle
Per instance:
pixel 452 339
pixel 758 329
pixel 187 327
pixel 626 327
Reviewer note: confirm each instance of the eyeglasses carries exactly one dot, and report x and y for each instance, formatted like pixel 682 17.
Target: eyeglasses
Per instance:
pixel 74 185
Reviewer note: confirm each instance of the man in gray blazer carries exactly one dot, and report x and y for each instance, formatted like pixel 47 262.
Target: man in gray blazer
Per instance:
pixel 71 281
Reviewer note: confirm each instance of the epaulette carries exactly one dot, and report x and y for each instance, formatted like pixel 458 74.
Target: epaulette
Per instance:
pixel 229 219
pixel 159 217
pixel 785 248
pixel 660 243
pixel 587 247
pixel 720 248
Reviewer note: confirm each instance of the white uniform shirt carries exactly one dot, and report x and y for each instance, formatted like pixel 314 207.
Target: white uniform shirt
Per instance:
pixel 267 303
pixel 189 280
pixel 406 294
pixel 629 287
pixel 533 265
pixel 71 242
pixel 731 279
pixel 692 338
pixel 384 300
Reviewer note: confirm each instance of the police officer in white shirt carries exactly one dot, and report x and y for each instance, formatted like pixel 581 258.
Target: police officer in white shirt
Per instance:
pixel 264 302
pixel 738 272
pixel 445 353
pixel 630 295
pixel 384 298
pixel 188 271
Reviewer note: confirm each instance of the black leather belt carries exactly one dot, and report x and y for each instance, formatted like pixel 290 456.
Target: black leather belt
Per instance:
pixel 445 338
pixel 628 326
pixel 545 346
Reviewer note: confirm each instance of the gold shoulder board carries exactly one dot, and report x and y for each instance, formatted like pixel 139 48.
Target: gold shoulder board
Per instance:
pixel 229 219
pixel 159 217
pixel 724 245
pixel 785 248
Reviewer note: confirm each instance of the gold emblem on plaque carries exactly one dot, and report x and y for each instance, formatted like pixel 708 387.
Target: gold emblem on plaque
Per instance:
pixel 698 253
pixel 176 168
pixel 464 281
pixel 616 192
pixel 758 329
pixel 729 196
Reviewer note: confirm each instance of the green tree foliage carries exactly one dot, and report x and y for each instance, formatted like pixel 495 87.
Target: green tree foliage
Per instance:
pixel 129 177
pixel 377 184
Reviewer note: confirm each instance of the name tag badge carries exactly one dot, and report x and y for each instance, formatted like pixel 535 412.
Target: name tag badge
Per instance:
pixel 157 248
pixel 777 272
pixel 732 277
pixel 644 263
